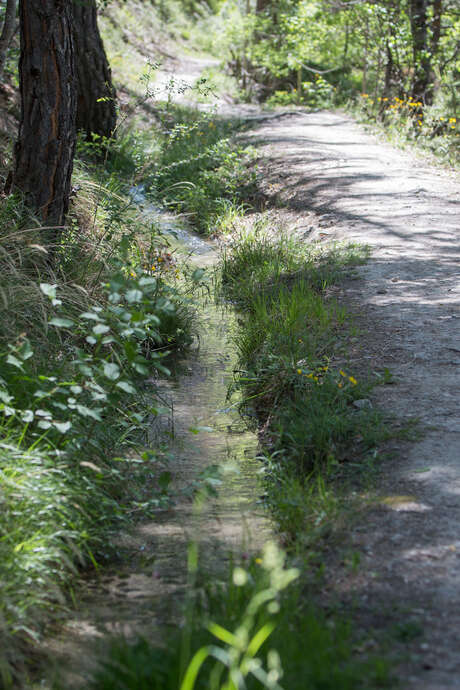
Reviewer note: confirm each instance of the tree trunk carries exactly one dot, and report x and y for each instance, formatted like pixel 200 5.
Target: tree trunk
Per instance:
pixel 45 148
pixel 261 5
pixel 421 81
pixel 7 32
pixel 96 112
pixel 436 26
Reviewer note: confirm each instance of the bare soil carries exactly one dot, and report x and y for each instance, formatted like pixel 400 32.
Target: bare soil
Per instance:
pixel 335 182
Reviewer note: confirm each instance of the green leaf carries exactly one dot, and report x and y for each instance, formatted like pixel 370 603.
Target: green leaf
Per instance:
pixel 63 427
pixel 133 296
pixel 90 315
pixel 88 412
pixel 197 429
pixel 111 371
pixel 44 424
pixel 85 370
pixel 140 368
pixel 164 480
pixel 147 280
pixel 197 274
pixel 223 635
pixel 5 396
pixel 101 328
pixel 48 290
pixel 27 416
pixel 259 638
pixel 61 322
pixel 25 351
pixel 15 362
pixel 43 413
pixel 194 667
pixel 126 386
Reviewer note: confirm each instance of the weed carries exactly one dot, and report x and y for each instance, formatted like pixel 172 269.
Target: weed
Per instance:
pixel 251 630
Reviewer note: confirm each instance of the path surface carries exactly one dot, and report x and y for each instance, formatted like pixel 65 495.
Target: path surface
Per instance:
pixel 339 183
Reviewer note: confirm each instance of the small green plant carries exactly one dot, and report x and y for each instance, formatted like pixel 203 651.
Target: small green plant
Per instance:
pixel 253 629
pixel 239 657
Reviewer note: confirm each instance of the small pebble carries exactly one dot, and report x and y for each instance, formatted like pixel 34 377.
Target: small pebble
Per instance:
pixel 362 404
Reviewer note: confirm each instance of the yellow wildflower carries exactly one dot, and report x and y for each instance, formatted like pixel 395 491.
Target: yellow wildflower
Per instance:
pixel 299 371
pixel 342 373
pixel 352 380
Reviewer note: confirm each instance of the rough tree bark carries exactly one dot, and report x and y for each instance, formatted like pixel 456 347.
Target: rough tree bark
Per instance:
pixel 45 148
pixel 96 112
pixel 9 26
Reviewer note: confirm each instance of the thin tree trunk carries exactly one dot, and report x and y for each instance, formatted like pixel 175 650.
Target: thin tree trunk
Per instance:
pixel 421 81
pixel 366 55
pixel 45 148
pixel 9 26
pixel 96 111
pixel 436 26
pixel 261 5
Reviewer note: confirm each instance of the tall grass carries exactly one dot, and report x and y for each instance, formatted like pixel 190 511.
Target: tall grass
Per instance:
pixel 296 388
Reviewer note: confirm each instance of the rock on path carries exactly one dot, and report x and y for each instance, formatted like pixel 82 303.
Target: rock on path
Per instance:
pixel 340 183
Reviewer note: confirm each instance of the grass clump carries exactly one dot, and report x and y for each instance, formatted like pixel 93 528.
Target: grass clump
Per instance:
pixel 294 383
pixel 252 630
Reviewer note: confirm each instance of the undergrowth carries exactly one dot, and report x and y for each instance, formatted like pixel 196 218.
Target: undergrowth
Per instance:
pixel 404 121
pixel 313 413
pixel 87 314
pixel 253 629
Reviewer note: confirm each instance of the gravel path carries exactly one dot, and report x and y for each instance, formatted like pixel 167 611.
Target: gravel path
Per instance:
pixel 339 183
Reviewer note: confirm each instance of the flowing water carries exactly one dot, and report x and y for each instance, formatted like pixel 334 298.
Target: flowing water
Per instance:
pixel 144 590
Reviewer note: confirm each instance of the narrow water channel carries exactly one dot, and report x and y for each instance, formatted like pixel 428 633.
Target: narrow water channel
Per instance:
pixel 143 592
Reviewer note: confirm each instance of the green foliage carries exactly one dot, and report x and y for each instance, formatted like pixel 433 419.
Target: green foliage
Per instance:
pixel 435 128
pixel 322 54
pixel 293 382
pixel 252 630
pixel 201 171
pixel 86 318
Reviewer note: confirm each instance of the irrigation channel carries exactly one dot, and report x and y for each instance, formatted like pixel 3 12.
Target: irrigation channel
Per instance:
pixel 144 590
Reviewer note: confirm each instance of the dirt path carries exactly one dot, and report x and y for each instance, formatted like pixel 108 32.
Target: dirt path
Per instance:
pixel 339 183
